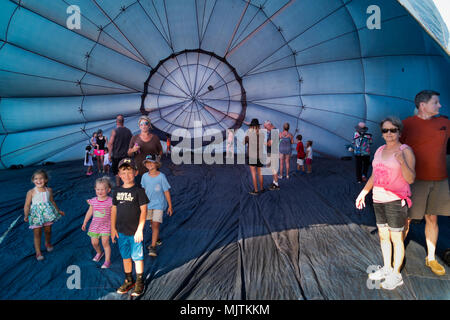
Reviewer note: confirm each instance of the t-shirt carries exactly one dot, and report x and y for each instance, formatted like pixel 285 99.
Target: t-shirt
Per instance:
pixel 254 151
pixel 361 143
pixel 154 189
pixel 128 202
pixel 153 146
pixel 101 215
pixel 121 142
pixel 428 139
pixel 300 150
pixel 309 153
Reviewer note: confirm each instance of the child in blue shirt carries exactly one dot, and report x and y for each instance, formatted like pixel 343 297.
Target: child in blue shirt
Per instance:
pixel 157 190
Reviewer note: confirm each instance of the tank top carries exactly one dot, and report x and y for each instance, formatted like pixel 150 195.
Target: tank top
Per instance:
pixel 101 143
pixel 285 145
pixel 40 197
pixel 388 183
pixel 121 142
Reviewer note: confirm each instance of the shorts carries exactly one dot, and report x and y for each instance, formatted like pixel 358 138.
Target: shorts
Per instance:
pixel 155 215
pixel 272 159
pixel 99 152
pixel 97 235
pixel 300 162
pixel 254 162
pixel 115 165
pixel 391 214
pixel 47 224
pixel 309 161
pixel 130 249
pixel 429 197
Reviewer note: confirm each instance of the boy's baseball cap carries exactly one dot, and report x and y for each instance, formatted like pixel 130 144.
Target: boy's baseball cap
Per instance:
pixel 152 158
pixel 127 162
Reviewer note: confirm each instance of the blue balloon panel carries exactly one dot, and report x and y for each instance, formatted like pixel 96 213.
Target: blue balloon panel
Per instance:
pixel 317 64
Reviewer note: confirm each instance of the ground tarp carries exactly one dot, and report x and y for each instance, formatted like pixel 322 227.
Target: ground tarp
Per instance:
pixel 305 241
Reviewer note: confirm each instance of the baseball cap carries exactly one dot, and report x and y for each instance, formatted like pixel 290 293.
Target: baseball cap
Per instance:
pixel 152 158
pixel 127 162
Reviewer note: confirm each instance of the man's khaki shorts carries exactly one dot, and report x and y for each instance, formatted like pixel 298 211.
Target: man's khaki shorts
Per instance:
pixel 429 197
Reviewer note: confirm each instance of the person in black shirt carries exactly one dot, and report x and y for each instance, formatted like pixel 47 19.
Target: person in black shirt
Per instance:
pixel 128 215
pixel 118 145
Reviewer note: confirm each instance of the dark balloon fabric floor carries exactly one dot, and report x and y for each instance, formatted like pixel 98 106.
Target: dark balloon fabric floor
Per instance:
pixel 305 241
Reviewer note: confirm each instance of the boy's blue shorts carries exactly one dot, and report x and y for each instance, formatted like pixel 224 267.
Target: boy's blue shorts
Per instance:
pixel 130 249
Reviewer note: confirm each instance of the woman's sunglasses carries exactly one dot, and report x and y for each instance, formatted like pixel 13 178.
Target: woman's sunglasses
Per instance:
pixel 144 123
pixel 392 130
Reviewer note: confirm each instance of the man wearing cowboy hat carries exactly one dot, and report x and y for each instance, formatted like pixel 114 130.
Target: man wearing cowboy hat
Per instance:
pixel 361 149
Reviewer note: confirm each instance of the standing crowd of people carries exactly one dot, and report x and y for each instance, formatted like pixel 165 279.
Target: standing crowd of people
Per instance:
pixel 408 181
pixel 409 177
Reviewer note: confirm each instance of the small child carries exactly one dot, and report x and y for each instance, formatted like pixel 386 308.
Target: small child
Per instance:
pixel 157 190
pixel 309 156
pixel 230 144
pixel 93 143
pixel 41 211
pixel 88 160
pixel 300 153
pixel 128 215
pixel 100 212
pixel 168 145
pixel 106 162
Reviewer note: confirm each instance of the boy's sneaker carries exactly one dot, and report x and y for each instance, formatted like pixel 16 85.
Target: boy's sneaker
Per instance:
pixel 158 243
pixel 125 287
pixel 392 281
pixel 273 186
pixel 380 274
pixel 138 289
pixel 152 252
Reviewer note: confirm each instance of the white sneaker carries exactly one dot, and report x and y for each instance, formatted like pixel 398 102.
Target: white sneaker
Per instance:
pixel 392 281
pixel 380 274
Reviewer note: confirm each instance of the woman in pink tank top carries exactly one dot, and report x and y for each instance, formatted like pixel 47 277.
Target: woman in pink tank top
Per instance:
pixel 393 172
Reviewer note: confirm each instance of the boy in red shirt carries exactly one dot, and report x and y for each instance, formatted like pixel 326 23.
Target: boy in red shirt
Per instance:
pixel 300 153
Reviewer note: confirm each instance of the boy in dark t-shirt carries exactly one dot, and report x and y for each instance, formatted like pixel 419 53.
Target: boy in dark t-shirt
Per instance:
pixel 128 215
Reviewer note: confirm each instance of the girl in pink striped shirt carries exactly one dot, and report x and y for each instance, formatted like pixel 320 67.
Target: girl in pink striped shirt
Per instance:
pixel 100 212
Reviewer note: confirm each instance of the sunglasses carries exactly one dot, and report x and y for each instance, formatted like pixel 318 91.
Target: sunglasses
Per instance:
pixel 144 123
pixel 392 130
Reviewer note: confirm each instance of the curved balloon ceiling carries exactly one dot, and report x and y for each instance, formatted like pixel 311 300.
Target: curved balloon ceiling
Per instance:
pixel 321 65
